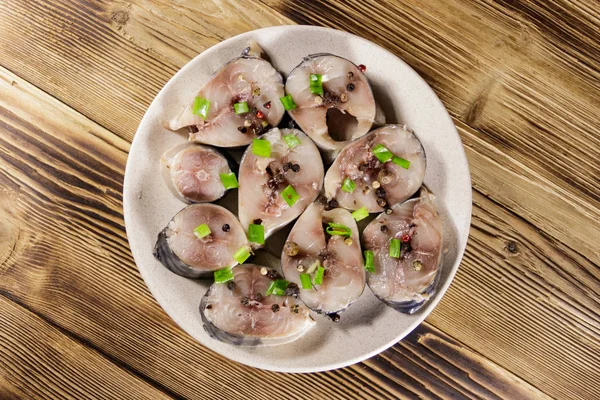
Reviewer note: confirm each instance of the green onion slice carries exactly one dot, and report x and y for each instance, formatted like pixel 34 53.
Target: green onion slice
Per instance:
pixel 256 233
pixel 241 108
pixel 316 85
pixel 290 195
pixel 319 275
pixel 201 107
pixel 360 214
pixel 223 275
pixel 261 147
pixel 241 255
pixel 382 153
pixel 338 230
pixel 291 140
pixel 229 180
pixel 305 281
pixel 348 186
pixel 395 248
pixel 288 102
pixel 277 287
pixel 369 257
pixel 201 231
pixel 401 162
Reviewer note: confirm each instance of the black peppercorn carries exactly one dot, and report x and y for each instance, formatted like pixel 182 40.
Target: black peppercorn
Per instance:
pixel 242 129
pixel 275 307
pixel 350 87
pixel 272 274
pixel 380 192
pixel 231 285
pixel 296 167
pixel 226 228
pixel 384 228
pixel 333 203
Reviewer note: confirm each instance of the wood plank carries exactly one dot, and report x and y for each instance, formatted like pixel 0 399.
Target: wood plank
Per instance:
pixel 75 270
pixel 38 361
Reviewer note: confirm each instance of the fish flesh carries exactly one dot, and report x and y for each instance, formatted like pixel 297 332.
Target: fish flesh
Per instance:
pixel 344 108
pixel 381 169
pixel 193 172
pixel 277 188
pixel 313 244
pixel 239 311
pixel 238 103
pixel 408 281
pixel 188 251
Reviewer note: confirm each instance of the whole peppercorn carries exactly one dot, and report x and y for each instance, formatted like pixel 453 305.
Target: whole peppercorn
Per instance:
pixel 333 203
pixel 350 87
pixel 275 307
pixel 291 248
pixel 296 167
pixel 380 192
pixel 226 228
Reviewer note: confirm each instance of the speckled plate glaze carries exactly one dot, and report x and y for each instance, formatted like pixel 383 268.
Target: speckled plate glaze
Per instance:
pixel 368 326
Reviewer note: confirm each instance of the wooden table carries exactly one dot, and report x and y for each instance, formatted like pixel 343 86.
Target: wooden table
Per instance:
pixel 521 80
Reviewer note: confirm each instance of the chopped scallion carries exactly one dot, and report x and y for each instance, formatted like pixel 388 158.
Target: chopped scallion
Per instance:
pixel 319 275
pixel 201 107
pixel 369 256
pixel 291 140
pixel 290 195
pixel 338 230
pixel 261 147
pixel 277 287
pixel 348 186
pixel 395 248
pixel 316 85
pixel 401 162
pixel 288 102
pixel 305 281
pixel 223 275
pixel 201 231
pixel 241 108
pixel 241 255
pixel 256 233
pixel 382 153
pixel 360 214
pixel 229 180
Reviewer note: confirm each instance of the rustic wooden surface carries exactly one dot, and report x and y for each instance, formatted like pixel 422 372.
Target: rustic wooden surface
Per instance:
pixel 521 80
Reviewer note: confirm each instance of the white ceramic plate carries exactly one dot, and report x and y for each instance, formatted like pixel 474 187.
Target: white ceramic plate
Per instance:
pixel 368 326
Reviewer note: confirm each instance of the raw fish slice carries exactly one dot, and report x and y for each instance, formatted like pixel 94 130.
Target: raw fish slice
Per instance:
pixel 378 184
pixel 344 278
pixel 192 172
pixel 240 313
pixel 406 283
pixel 179 249
pixel 339 115
pixel 263 179
pixel 247 79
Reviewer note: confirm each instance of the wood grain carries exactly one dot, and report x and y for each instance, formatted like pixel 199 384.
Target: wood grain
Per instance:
pixel 103 299
pixel 521 80
pixel 37 360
